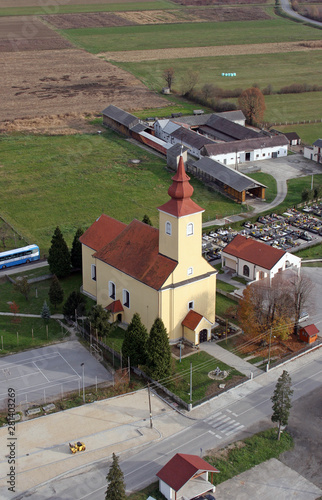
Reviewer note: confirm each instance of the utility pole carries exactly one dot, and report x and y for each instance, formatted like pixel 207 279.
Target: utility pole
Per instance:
pixel 151 424
pixel 83 367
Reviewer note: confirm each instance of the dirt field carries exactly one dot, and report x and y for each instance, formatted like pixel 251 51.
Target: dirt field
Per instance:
pixel 228 50
pixel 28 33
pixel 41 83
pixel 48 4
pixel 106 19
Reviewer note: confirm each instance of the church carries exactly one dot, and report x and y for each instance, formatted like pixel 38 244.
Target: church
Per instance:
pixel 137 268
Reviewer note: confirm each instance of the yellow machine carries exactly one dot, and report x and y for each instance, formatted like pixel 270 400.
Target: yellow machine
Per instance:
pixel 79 446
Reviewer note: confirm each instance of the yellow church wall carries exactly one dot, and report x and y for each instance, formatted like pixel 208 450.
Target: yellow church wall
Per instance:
pixel 174 303
pixel 89 285
pixel 143 299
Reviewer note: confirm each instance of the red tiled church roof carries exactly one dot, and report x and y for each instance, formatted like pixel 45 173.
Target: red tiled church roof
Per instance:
pixel 192 320
pixel 101 232
pixel 180 191
pixel 135 251
pixel 115 307
pixel 177 472
pixel 253 251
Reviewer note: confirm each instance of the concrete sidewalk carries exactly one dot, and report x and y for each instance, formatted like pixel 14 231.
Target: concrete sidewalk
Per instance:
pixel 230 359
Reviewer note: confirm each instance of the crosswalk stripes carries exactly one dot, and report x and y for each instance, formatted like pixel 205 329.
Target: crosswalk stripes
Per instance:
pixel 223 424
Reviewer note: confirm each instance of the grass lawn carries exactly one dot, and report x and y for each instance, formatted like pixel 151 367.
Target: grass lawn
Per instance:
pixel 115 339
pixel 314 252
pixel 202 364
pixel 227 287
pixel 163 36
pixel 34 304
pixel 25 340
pixel 245 454
pixel 72 180
pixel 308 132
pixel 269 181
pixel 45 9
pixel 223 304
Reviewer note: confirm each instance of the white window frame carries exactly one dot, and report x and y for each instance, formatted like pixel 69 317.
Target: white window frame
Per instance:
pixel 192 302
pixel 126 298
pixel 111 290
pixel 168 228
pixel 190 229
pixel 190 271
pixel 93 272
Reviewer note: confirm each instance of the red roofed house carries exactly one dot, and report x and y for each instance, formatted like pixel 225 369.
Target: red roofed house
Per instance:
pixel 185 476
pixel 308 333
pixel 254 260
pixel 137 268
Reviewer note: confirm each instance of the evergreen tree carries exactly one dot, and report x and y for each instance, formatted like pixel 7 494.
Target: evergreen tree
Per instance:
pixel 56 293
pixel 45 313
pixel 59 257
pixel 158 349
pixel 146 219
pixel 281 400
pixel 135 342
pixel 76 251
pixel 98 318
pixel 75 302
pixel 116 487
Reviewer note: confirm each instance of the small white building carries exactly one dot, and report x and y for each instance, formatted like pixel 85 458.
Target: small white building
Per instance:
pixel 315 152
pixel 185 476
pixel 164 128
pixel 254 260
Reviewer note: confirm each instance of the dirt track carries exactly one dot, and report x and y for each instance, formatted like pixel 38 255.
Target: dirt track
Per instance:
pixel 227 50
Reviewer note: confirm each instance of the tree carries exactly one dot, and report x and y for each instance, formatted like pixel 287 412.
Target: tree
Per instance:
pixel 252 103
pixel 189 81
pixel 76 302
pixel 59 257
pixel 56 293
pixel 305 195
pixel 158 349
pixel 168 76
pixel 45 312
pixel 300 289
pixel 98 318
pixel 116 487
pixel 76 251
pixel 281 400
pixel 135 342
pixel 146 219
pixel 23 286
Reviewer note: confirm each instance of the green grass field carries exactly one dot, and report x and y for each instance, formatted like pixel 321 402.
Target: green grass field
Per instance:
pixel 308 132
pixel 71 180
pixel 163 36
pixel 56 8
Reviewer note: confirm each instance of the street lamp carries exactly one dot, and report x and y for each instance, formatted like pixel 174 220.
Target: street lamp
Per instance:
pixel 83 366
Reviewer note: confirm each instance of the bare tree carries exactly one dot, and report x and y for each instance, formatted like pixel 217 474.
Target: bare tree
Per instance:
pixel 168 76
pixel 189 81
pixel 300 290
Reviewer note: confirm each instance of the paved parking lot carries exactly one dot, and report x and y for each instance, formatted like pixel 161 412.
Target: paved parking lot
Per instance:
pixel 40 375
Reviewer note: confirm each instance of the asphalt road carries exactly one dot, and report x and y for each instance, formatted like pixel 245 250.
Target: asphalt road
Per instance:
pixel 236 414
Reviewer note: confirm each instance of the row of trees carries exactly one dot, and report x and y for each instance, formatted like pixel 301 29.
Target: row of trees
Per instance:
pixel 276 305
pixel 60 259
pixel 311 194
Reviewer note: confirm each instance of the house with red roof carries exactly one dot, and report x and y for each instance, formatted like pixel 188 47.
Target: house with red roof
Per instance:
pixel 309 333
pixel 137 268
pixel 254 260
pixel 186 476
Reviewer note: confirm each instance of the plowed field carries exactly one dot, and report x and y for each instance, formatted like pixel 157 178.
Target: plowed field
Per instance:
pixel 40 83
pixel 106 19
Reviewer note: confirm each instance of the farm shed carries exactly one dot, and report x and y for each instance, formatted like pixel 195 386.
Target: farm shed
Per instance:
pixel 164 128
pixel 185 476
pixel 308 334
pixel 261 148
pixel 153 142
pixel 173 155
pixel 119 120
pixel 219 128
pixel 293 137
pixel 254 260
pixel 315 152
pixel 193 141
pixel 233 182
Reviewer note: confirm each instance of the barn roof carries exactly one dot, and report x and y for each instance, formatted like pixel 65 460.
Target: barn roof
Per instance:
pixel 246 145
pixel 229 129
pixel 238 181
pixel 318 143
pixel 120 116
pixel 101 232
pixel 177 472
pixel 254 252
pixel 233 115
pixel 190 138
pixel 291 136
pixel 135 252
